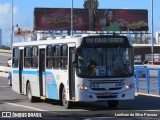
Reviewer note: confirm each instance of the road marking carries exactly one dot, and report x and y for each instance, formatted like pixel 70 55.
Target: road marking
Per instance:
pixel 18 105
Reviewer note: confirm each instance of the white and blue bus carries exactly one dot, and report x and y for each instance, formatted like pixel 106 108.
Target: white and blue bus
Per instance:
pixel 75 69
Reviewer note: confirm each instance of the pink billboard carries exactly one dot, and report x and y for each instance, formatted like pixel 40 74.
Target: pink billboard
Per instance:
pixel 121 20
pixel 60 19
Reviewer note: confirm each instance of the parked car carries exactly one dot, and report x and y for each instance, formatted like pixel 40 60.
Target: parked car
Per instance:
pixel 10 78
pixel 9 62
pixel 141 70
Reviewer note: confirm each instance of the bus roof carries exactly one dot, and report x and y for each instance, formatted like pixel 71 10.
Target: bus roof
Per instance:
pixel 61 40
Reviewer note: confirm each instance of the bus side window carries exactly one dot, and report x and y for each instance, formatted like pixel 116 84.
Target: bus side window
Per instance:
pixel 15 57
pixel 27 62
pixel 49 61
pixel 34 57
pixel 27 57
pixel 57 57
pixel 64 57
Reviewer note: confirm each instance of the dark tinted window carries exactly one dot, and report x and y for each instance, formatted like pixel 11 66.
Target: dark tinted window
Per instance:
pixel 57 56
pixel 15 58
pixel 31 57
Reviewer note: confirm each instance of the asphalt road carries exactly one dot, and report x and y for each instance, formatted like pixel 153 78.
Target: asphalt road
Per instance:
pixel 11 101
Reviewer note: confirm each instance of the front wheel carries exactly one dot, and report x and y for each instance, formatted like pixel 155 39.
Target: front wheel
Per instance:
pixel 112 103
pixel 65 103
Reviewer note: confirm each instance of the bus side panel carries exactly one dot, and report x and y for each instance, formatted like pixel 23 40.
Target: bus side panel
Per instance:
pixel 32 77
pixel 15 80
pixel 51 86
pixel 53 80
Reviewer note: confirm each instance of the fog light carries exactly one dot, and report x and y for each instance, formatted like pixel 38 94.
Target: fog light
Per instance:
pixel 83 87
pixel 90 96
pixel 123 95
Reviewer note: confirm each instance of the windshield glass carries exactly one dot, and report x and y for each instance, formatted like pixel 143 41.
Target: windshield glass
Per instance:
pixel 111 62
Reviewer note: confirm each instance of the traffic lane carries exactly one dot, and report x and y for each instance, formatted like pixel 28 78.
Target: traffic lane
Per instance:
pixel 8 95
pixel 139 103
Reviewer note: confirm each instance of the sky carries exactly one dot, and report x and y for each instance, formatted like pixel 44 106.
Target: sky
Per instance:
pixel 23 11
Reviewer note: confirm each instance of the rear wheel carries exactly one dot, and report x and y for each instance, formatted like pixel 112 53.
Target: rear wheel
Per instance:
pixel 112 103
pixel 29 94
pixel 65 103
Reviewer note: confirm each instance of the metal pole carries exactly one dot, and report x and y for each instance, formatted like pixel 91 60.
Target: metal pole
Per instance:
pixel 152 35
pixel 72 18
pixel 12 27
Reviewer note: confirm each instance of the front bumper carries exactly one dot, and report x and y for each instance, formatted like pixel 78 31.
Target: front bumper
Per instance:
pixel 86 96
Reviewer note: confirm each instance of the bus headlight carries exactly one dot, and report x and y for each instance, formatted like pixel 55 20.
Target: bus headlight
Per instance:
pixel 126 86
pixel 129 86
pixel 83 87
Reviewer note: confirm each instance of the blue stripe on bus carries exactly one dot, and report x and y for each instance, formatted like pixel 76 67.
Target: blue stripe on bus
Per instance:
pixel 51 85
pixel 25 72
pixel 30 72
pixel 15 71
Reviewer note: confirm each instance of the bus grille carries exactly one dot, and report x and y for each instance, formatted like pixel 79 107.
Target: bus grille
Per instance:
pixel 117 88
pixel 107 95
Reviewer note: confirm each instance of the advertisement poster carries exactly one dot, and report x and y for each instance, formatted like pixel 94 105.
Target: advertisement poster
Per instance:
pixel 60 19
pixel 121 20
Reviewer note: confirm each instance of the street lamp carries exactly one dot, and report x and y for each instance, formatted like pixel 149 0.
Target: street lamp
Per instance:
pixel 152 33
pixel 72 18
pixel 12 26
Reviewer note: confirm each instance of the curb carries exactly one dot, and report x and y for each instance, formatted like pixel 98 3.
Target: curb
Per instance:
pixel 150 95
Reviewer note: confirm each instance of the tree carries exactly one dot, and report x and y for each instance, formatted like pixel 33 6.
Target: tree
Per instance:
pixel 4 47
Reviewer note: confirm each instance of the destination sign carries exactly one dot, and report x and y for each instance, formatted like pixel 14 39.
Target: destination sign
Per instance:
pixel 105 40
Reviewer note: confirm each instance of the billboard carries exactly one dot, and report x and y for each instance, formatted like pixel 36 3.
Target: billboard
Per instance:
pixel 121 20
pixel 60 19
pixel 23 32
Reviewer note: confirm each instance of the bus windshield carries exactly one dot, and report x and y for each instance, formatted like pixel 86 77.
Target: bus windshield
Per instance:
pixel 104 62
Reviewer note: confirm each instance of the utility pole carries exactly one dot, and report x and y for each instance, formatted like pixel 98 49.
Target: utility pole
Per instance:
pixel 72 18
pixel 12 27
pixel 91 5
pixel 152 50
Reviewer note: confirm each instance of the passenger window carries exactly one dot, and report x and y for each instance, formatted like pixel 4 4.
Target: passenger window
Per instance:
pixel 31 57
pixel 57 55
pixel 50 57
pixel 15 58
pixel 64 57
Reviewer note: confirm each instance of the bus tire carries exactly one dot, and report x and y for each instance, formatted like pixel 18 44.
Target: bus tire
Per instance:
pixel 66 104
pixel 29 94
pixel 112 103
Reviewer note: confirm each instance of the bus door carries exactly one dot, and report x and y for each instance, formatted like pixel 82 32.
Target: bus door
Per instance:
pixel 42 83
pixel 71 72
pixel 21 82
